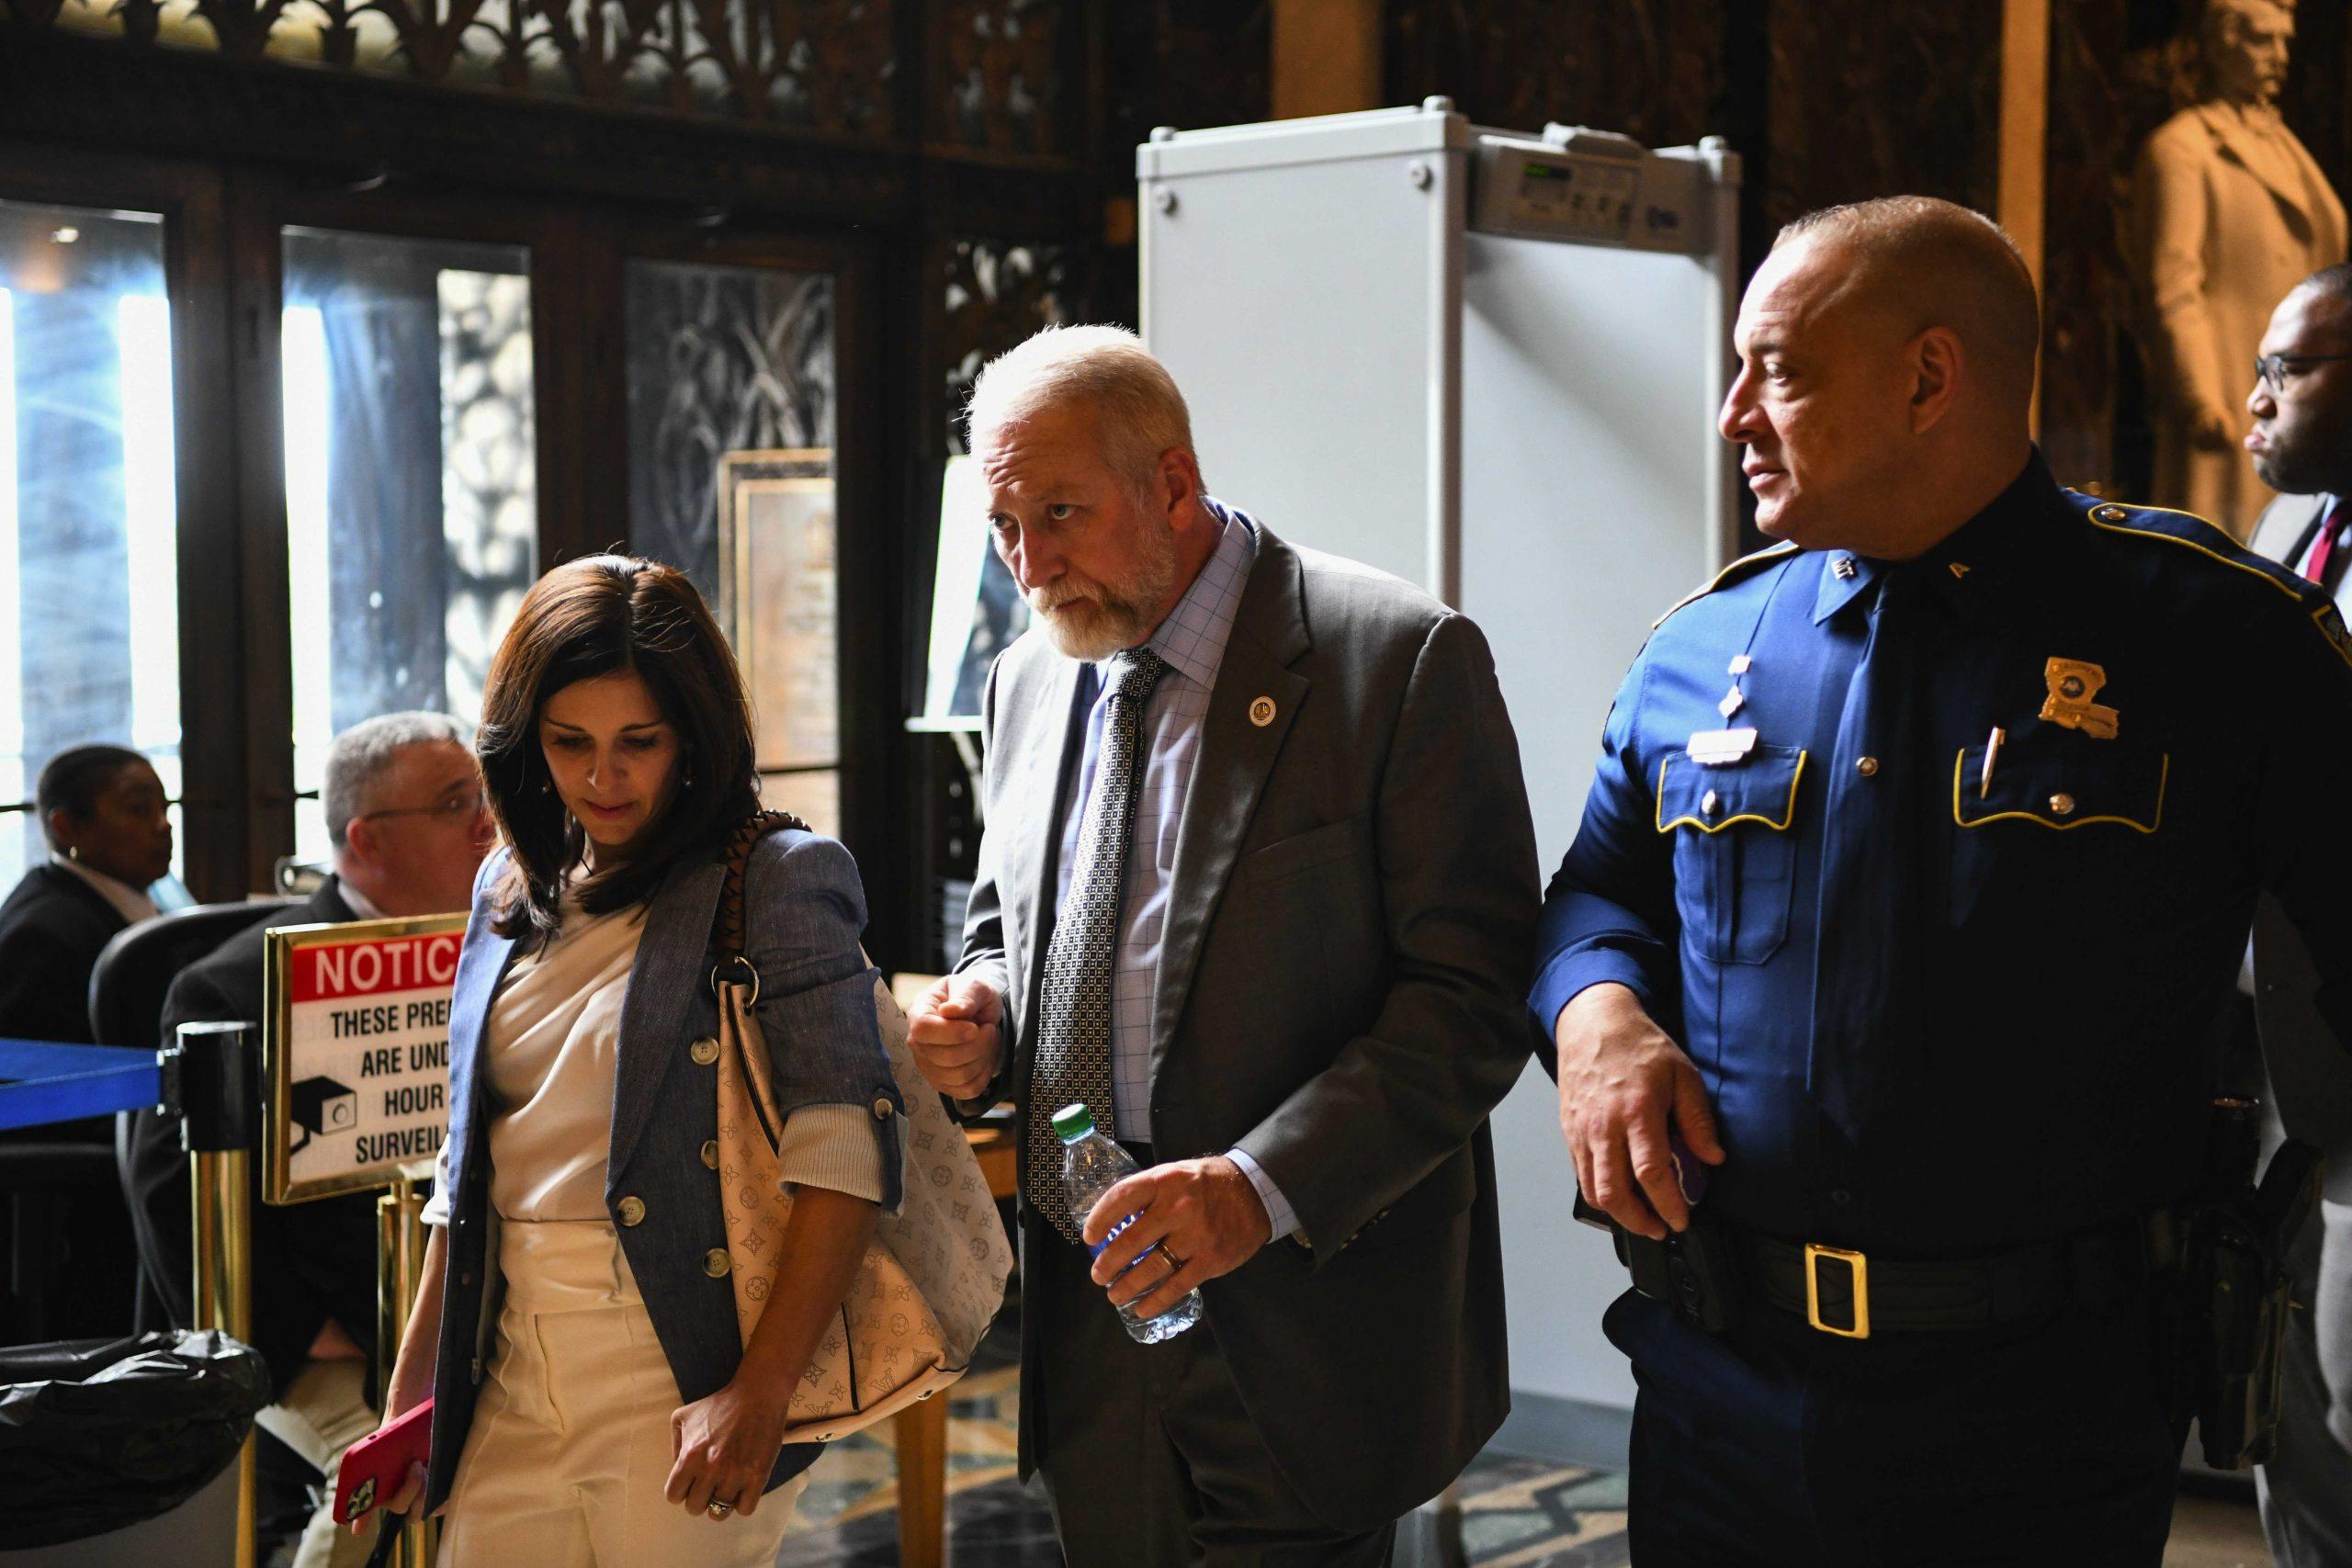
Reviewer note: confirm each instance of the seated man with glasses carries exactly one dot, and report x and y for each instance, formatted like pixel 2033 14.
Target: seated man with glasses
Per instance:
pixel 405 814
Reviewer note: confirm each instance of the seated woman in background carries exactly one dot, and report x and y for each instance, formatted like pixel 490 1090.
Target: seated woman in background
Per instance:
pixel 101 810
pixel 62 1219
pixel 610 1411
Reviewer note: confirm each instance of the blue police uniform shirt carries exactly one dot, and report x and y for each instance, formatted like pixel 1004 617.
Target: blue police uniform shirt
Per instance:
pixel 1943 1007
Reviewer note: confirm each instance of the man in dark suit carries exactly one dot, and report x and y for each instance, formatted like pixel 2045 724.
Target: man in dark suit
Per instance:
pixel 404 810
pixel 2301 442
pixel 1259 889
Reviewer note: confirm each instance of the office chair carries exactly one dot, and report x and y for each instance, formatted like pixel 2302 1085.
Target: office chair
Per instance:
pixel 126 990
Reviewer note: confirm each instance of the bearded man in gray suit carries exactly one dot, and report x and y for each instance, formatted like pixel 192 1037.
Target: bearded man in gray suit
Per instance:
pixel 1257 885
pixel 2301 442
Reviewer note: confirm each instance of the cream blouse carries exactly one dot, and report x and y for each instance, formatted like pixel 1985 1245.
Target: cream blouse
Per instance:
pixel 551 1044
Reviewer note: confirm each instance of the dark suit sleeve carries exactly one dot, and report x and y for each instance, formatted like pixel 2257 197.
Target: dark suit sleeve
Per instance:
pixel 1457 875
pixel 2306 671
pixel 983 957
pixel 1609 914
pixel 44 986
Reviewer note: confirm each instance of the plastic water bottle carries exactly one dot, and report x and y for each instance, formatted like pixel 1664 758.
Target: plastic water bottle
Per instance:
pixel 1091 1166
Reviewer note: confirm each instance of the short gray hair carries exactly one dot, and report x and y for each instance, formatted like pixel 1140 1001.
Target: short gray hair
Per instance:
pixel 362 755
pixel 1140 412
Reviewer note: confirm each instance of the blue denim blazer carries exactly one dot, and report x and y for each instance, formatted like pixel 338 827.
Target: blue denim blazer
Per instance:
pixel 803 910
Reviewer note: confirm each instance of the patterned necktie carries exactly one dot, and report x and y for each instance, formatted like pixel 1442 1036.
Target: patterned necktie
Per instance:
pixel 1074 1007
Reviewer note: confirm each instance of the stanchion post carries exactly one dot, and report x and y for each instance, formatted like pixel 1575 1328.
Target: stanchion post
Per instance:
pixel 217 1069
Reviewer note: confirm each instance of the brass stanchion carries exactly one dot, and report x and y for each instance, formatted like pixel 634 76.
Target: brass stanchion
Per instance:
pixel 399 1264
pixel 216 1068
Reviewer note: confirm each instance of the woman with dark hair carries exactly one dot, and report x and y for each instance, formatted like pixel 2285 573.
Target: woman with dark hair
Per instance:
pixel 594 1401
pixel 102 810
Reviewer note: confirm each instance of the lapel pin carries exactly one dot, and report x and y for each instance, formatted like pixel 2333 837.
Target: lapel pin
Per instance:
pixel 1842 567
pixel 1261 712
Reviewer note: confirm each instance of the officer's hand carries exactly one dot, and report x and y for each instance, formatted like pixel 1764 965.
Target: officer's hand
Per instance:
pixel 953 1030
pixel 1204 1217
pixel 1620 1082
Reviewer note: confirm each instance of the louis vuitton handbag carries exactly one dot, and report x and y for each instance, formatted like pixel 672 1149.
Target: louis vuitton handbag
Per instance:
pixel 933 1275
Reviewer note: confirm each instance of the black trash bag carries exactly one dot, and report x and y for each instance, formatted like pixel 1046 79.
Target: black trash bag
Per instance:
pixel 96 1435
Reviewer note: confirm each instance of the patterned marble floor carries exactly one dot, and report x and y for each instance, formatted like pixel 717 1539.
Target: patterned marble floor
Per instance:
pixel 1516 1512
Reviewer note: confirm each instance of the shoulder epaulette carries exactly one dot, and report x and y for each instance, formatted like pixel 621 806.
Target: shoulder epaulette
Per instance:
pixel 2188 531
pixel 1744 566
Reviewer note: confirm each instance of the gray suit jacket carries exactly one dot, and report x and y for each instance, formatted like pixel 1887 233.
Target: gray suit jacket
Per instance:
pixel 1349 935
pixel 2311 1076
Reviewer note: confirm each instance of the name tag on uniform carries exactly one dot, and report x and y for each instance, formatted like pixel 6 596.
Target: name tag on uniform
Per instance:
pixel 1720 748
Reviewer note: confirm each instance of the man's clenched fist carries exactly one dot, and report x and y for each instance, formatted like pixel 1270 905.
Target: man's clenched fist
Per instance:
pixel 953 1029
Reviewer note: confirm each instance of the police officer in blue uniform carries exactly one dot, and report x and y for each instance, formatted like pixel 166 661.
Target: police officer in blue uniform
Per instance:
pixel 1918 859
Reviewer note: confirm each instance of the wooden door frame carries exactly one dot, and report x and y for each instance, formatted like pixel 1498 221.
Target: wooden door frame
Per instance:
pixel 262 205
pixel 188 196
pixel 870 452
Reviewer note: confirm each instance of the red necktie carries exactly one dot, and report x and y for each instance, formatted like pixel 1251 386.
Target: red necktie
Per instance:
pixel 2324 548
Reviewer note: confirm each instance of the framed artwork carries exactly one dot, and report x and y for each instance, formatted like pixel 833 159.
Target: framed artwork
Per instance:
pixel 779 592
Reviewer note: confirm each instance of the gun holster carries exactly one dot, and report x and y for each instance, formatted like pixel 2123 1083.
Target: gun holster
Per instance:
pixel 2230 1246
pixel 1694 1271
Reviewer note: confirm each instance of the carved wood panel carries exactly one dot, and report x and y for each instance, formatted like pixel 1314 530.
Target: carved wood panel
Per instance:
pixel 1880 97
pixel 1656 69
pixel 997 74
pixel 997 294
pixel 829 65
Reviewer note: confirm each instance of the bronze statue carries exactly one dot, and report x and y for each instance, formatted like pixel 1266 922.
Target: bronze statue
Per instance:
pixel 2229 212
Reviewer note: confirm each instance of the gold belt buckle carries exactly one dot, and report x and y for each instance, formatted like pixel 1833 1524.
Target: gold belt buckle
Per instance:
pixel 1856 1264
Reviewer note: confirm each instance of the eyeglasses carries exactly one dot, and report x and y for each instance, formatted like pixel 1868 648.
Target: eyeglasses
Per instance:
pixel 449 809
pixel 2274 368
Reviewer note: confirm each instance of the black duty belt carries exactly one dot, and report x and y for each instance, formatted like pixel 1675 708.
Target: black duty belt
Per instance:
pixel 1853 1295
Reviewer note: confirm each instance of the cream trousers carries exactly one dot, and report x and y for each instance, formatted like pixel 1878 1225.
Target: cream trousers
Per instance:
pixel 571 1448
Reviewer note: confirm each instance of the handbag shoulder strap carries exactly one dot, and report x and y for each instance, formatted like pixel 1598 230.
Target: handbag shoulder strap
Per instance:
pixel 727 935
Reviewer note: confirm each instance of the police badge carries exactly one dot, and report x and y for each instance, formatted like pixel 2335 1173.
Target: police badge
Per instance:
pixel 2073 683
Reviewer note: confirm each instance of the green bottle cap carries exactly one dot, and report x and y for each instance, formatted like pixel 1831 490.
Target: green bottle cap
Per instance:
pixel 1073 1123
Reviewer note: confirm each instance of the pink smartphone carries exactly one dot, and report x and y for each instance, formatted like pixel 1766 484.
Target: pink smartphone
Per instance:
pixel 375 1467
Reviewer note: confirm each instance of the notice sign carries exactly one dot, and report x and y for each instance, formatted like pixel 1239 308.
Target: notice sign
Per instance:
pixel 355 1051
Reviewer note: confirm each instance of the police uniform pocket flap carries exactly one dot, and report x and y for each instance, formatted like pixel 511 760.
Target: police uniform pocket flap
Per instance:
pixel 1761 789
pixel 2062 781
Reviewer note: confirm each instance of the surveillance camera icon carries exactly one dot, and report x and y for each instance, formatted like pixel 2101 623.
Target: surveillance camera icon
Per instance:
pixel 323 1105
